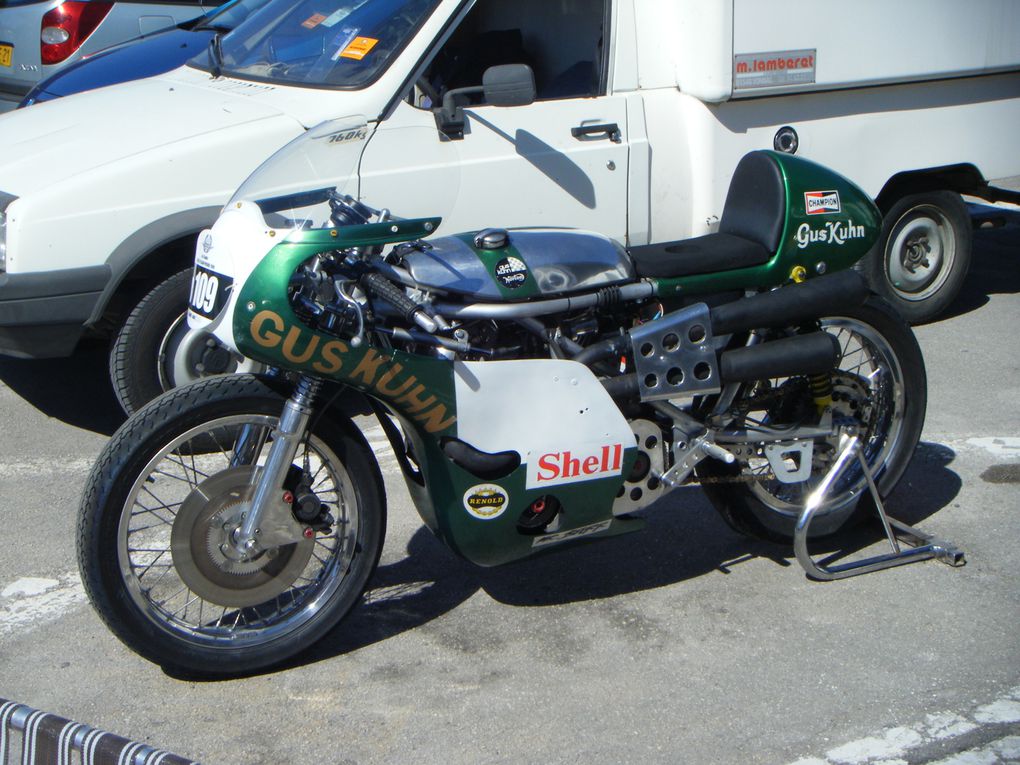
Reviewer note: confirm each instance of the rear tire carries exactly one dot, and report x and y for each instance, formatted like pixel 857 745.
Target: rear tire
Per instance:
pixel 923 255
pixel 888 375
pixel 186 604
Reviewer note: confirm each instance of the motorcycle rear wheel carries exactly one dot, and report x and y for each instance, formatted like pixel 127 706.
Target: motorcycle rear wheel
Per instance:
pixel 881 383
pixel 158 507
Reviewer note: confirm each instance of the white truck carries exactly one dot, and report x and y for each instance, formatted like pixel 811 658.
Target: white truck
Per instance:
pixel 640 111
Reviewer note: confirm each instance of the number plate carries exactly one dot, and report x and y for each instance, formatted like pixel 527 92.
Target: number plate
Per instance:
pixel 209 292
pixel 6 54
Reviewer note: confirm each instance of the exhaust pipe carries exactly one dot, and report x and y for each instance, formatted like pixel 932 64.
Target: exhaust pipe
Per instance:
pixel 821 296
pixel 810 354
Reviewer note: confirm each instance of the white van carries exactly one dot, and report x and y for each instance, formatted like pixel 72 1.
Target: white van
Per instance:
pixel 640 111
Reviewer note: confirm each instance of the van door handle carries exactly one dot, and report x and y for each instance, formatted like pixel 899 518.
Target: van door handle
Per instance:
pixel 609 130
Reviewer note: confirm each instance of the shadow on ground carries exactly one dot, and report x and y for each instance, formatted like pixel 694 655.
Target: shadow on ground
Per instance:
pixel 995 260
pixel 75 390
pixel 684 538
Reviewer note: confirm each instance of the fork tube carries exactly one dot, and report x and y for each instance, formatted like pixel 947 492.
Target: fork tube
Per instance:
pixel 286 438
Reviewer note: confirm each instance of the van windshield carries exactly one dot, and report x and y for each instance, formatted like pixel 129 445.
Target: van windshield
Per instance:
pixel 321 43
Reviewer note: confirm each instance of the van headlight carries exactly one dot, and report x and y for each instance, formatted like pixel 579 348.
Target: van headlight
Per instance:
pixel 5 200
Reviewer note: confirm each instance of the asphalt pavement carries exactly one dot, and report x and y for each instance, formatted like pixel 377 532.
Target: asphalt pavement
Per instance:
pixel 682 643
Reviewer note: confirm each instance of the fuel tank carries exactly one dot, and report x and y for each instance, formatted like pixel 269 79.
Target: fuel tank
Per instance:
pixel 500 265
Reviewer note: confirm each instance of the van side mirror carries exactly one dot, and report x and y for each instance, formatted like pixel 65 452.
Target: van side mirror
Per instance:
pixel 503 85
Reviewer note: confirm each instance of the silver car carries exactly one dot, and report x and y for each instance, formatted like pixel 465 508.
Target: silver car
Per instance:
pixel 37 37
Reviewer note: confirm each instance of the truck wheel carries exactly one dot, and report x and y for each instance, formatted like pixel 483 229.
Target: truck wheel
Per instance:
pixel 923 255
pixel 154 352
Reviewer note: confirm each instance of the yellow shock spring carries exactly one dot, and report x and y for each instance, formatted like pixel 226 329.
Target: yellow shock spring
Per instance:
pixel 821 391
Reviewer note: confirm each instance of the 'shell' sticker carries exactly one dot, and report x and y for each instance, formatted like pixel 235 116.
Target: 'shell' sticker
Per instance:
pixel 358 48
pixel 313 21
pixel 573 465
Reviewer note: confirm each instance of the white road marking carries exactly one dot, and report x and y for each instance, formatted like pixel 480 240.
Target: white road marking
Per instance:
pixel 1004 750
pixel 891 745
pixel 45 466
pixel 30 602
pixel 999 446
pixel 1001 711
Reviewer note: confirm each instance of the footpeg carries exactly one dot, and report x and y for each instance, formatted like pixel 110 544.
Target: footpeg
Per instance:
pixel 922 546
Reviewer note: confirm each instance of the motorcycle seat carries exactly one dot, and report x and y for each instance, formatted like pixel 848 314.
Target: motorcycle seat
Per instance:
pixel 750 229
pixel 700 255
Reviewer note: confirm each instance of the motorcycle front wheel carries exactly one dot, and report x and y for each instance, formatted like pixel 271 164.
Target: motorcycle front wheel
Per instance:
pixel 879 387
pixel 164 497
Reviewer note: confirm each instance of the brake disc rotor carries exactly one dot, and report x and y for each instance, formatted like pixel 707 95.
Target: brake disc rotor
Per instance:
pixel 207 562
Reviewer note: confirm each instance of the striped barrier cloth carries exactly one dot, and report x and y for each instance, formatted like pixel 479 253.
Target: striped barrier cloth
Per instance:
pixel 46 739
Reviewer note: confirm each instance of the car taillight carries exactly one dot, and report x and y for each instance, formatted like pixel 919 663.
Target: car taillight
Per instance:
pixel 67 26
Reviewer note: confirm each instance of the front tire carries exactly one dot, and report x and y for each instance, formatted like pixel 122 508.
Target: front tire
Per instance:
pixel 880 383
pixel 155 508
pixel 922 258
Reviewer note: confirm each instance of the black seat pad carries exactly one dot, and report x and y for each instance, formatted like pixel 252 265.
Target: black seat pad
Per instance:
pixel 701 255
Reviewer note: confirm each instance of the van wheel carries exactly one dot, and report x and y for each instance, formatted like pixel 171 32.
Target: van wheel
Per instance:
pixel 154 351
pixel 923 255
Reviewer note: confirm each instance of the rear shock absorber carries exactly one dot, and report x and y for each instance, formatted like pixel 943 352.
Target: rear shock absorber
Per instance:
pixel 821 390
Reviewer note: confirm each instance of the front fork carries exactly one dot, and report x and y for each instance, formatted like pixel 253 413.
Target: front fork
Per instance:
pixel 268 502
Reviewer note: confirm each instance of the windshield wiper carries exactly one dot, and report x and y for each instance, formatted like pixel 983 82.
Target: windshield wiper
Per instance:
pixel 221 28
pixel 216 55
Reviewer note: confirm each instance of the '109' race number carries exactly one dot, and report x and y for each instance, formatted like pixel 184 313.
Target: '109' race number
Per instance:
pixel 208 292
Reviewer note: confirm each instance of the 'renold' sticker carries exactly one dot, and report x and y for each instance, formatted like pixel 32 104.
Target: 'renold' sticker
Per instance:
pixel 511 272
pixel 486 501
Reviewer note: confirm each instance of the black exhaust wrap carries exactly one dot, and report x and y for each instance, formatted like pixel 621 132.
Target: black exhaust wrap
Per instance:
pixel 822 296
pixel 797 355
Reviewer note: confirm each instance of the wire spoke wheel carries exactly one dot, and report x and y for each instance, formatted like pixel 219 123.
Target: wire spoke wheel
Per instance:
pixel 878 389
pixel 174 540
pixel 158 523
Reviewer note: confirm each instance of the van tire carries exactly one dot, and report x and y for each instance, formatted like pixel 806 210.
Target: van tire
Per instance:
pixel 152 326
pixel 922 257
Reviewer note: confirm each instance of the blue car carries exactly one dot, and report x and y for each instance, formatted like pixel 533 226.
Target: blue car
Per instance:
pixel 144 56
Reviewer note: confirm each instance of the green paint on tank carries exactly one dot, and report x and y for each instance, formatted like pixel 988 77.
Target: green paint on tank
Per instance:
pixel 502 266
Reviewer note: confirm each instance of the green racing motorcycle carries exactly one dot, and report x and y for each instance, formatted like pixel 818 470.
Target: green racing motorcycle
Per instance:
pixel 538 387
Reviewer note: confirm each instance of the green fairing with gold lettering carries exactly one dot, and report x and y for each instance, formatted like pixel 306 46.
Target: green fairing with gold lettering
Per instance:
pixel 420 391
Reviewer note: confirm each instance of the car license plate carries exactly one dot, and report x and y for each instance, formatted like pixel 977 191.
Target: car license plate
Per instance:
pixel 209 292
pixel 6 55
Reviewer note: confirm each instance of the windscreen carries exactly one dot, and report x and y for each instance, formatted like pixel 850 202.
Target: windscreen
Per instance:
pixel 230 15
pixel 320 43
pixel 293 188
pixel 298 186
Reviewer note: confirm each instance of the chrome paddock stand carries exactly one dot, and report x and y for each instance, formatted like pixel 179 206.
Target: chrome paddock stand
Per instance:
pixel 921 546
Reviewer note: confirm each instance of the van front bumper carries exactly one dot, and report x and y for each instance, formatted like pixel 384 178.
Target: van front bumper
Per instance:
pixel 43 315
